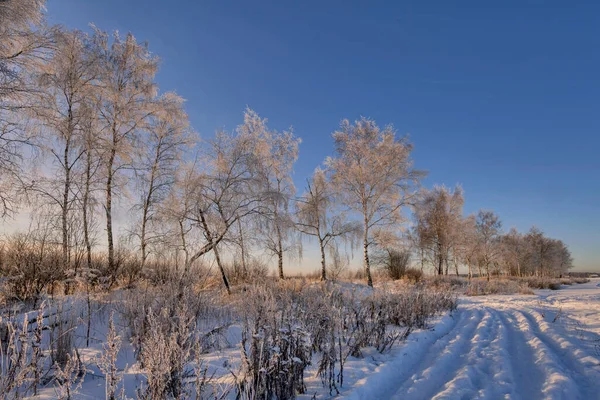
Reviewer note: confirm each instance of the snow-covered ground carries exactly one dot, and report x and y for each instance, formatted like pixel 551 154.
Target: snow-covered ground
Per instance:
pixel 542 346
pixel 545 346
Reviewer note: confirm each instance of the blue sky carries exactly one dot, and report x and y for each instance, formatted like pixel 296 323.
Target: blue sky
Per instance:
pixel 501 97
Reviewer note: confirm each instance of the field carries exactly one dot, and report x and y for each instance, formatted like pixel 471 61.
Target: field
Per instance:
pixel 311 340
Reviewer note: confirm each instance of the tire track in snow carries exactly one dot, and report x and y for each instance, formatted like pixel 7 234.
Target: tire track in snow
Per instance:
pixel 439 365
pixel 470 376
pixel 496 347
pixel 414 352
pixel 577 365
pixel 558 379
pixel 528 378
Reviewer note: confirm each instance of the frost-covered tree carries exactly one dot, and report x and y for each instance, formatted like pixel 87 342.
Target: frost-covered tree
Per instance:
pixel 438 215
pixel 275 154
pixel 515 252
pixel 24 44
pixel 489 229
pixel 373 173
pixel 219 191
pixel 159 155
pixel 125 101
pixel 67 81
pixel 318 217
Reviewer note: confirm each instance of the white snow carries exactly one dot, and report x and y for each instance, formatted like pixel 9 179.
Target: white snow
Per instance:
pixel 542 346
pixel 545 346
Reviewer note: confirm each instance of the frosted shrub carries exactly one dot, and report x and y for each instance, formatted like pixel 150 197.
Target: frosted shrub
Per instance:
pixel 276 347
pixel 504 286
pixel 61 336
pixel 107 362
pixel 69 377
pixel 13 359
pixel 284 325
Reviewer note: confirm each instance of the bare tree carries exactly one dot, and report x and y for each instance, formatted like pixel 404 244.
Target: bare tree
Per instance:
pixel 66 82
pixel 467 246
pixel 219 193
pixel 317 217
pixel 438 215
pixel 515 251
pixel 167 134
pixel 89 181
pixel 275 155
pixel 24 43
pixel 126 101
pixel 373 173
pixel 488 227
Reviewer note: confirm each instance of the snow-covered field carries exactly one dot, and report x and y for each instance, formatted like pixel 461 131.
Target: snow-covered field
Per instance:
pixel 517 347
pixel 542 346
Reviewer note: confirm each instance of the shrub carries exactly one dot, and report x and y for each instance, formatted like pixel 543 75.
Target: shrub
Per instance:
pixel 284 324
pixel 481 287
pixel 413 275
pixel 395 263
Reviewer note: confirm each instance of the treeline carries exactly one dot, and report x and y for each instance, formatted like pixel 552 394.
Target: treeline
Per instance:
pixel 87 139
pixel 444 238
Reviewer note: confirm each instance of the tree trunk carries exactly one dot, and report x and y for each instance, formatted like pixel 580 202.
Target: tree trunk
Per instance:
pixel 223 274
pixel 213 245
pixel 65 211
pixel 242 248
pixel 279 249
pixel 108 209
pixel 470 271
pixel 323 264
pixel 86 197
pixel 366 255
pixel 456 266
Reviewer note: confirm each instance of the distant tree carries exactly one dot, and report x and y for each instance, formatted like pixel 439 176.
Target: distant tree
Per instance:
pixel 218 192
pixel 316 215
pixel 372 172
pixel 489 228
pixel 438 215
pixel 515 252
pixel 467 245
pixel 275 154
pixel 164 140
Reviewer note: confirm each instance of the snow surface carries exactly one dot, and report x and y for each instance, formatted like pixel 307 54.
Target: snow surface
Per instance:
pixel 542 346
pixel 545 346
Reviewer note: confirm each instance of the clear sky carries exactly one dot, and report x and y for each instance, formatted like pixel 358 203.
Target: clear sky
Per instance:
pixel 502 97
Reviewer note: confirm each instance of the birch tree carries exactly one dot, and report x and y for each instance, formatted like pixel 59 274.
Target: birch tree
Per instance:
pixel 222 192
pixel 515 251
pixel 489 228
pixel 166 136
pixel 126 101
pixel 316 215
pixel 275 154
pixel 438 215
pixel 89 175
pixel 66 82
pixel 24 44
pixel 373 173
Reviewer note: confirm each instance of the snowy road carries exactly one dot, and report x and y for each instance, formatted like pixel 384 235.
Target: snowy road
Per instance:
pixel 545 346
